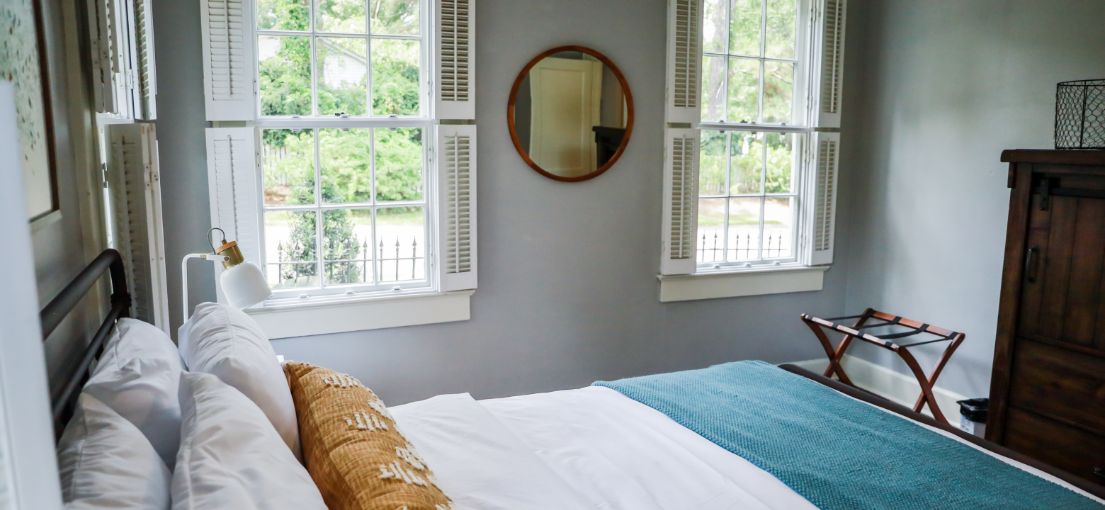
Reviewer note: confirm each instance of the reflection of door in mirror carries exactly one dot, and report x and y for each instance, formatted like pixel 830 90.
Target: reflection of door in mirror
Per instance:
pixel 565 104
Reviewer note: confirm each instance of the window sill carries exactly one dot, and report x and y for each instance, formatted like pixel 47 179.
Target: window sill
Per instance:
pixel 322 318
pixel 724 284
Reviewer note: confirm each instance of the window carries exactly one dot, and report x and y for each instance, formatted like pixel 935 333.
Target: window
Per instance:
pixel 753 114
pixel 752 131
pixel 344 207
pixel 332 186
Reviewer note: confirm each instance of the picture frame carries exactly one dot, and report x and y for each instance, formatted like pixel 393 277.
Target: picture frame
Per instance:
pixel 22 62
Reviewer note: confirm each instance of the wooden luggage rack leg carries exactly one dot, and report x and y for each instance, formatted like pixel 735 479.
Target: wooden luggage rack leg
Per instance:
pixel 871 319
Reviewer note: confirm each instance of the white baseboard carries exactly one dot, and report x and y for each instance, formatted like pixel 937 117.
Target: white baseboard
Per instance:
pixel 897 387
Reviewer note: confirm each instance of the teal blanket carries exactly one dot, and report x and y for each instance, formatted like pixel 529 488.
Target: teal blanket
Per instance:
pixel 837 452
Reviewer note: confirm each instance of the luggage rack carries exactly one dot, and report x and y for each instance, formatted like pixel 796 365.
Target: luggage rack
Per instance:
pixel 920 333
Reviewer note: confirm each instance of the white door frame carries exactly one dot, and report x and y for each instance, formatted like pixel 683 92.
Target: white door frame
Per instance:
pixel 590 73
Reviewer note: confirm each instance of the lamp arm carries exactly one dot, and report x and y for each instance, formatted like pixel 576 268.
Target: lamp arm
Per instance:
pixel 184 278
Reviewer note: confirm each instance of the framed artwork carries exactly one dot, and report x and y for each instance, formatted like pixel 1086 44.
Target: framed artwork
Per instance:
pixel 21 63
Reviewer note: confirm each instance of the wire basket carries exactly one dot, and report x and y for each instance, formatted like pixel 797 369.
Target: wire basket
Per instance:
pixel 1080 115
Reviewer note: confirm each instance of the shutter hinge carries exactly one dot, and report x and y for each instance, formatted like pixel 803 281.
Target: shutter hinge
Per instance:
pixel 103 175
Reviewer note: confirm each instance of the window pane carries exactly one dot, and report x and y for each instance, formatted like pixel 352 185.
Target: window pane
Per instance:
pixel 290 260
pixel 782 18
pixel 744 85
pixel 744 229
pixel 779 228
pixel 347 246
pixel 345 165
pixel 395 77
pixel 401 243
pixel 288 166
pixel 744 27
pixel 747 153
pixel 285 74
pixel 346 16
pixel 780 163
pixel 283 15
pixel 398 164
pixel 342 76
pixel 714 36
pixel 711 166
pixel 713 88
pixel 778 91
pixel 711 230
pixel 395 17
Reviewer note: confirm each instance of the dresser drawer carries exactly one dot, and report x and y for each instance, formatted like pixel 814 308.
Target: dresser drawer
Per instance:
pixel 1068 448
pixel 1059 383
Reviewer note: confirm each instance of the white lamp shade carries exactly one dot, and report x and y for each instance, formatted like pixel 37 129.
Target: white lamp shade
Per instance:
pixel 244 285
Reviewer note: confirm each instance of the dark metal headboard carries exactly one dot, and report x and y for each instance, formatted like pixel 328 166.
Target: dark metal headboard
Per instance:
pixel 64 396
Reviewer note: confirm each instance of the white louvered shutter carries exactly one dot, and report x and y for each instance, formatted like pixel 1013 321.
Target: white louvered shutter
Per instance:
pixel 233 185
pixel 680 201
pixel 145 72
pixel 134 184
pixel 684 61
pixel 826 156
pixel 455 82
pixel 109 34
pixel 456 178
pixel 830 64
pixel 228 59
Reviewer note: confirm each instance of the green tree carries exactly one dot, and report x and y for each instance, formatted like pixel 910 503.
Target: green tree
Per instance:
pixel 338 243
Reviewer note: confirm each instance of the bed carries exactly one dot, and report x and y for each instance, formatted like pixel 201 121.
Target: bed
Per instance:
pixel 737 435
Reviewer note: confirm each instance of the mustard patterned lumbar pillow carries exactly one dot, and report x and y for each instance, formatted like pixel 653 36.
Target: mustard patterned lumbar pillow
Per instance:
pixel 351 446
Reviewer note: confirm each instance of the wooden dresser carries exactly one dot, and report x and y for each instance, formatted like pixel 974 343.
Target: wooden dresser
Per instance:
pixel 1048 388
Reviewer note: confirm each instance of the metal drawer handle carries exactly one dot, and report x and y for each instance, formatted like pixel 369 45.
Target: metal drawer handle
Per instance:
pixel 1099 471
pixel 1030 264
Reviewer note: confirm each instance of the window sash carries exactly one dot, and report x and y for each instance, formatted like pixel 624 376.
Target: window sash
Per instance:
pixel 425 28
pixel 800 117
pixel 316 121
pixel 319 208
pixel 800 171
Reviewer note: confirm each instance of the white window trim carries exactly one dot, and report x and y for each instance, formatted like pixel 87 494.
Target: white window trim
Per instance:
pixel 748 282
pixel 353 308
pixel 324 317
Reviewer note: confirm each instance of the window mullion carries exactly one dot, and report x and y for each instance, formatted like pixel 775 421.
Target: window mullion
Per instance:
pixel 728 192
pixel 319 218
pixel 762 62
pixel 378 265
pixel 368 67
pixel 763 197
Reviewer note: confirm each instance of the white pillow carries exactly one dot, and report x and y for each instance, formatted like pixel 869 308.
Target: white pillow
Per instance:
pixel 105 462
pixel 228 343
pixel 138 376
pixel 231 457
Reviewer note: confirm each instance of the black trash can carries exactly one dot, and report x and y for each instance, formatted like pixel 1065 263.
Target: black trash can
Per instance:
pixel 972 415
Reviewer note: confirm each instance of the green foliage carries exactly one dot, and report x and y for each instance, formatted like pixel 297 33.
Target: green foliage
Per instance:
pixel 747 155
pixel 734 31
pixel 339 243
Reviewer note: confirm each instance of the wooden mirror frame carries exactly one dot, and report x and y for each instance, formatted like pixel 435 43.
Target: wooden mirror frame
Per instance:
pixel 511 106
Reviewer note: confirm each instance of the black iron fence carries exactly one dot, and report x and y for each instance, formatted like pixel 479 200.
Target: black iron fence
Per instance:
pixel 744 246
pixel 353 261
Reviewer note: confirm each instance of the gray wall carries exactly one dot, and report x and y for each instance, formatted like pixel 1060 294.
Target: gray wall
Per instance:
pixel 944 87
pixel 567 271
pixel 65 241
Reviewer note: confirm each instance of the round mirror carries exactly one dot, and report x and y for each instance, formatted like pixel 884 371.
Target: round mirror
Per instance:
pixel 570 113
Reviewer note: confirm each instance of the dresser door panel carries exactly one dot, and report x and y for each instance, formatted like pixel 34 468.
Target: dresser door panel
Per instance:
pixel 1060 384
pixel 1072 450
pixel 1064 281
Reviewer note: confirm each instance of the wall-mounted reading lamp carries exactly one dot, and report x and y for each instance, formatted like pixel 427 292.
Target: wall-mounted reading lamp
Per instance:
pixel 242 282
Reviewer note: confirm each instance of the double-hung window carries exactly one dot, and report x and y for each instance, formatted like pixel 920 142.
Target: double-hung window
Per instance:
pixel 345 185
pixel 750 170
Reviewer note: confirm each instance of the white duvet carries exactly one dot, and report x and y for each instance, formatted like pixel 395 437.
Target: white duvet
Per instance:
pixel 589 448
